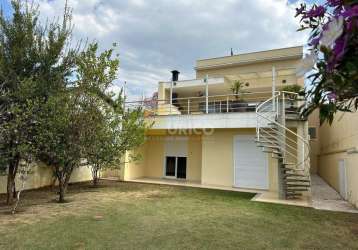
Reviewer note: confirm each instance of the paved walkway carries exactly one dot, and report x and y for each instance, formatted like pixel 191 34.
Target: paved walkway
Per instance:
pixel 325 197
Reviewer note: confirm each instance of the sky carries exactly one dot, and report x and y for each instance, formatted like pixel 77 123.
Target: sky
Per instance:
pixel 157 36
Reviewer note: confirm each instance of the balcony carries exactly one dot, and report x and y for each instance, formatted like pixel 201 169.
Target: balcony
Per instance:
pixel 216 111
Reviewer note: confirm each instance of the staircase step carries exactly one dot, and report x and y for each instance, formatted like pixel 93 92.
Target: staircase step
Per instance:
pixel 295 175
pixel 271 152
pixel 289 163
pixel 293 193
pixel 273 147
pixel 298 185
pixel 297 189
pixel 297 180
pixel 268 142
pixel 277 157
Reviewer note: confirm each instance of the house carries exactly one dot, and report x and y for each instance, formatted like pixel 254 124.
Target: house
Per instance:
pixel 208 133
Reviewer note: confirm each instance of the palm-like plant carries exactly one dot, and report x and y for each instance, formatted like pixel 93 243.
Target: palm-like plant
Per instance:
pixel 237 88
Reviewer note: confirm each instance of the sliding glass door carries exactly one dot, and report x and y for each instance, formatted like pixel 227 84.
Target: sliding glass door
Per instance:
pixel 175 167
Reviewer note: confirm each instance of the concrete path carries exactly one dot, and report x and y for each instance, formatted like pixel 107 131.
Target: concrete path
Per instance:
pixel 325 197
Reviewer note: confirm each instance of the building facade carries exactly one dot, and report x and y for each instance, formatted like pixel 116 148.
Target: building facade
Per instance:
pixel 210 131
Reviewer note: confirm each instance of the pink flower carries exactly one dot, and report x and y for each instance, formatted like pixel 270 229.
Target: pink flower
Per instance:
pixel 332 97
pixel 316 11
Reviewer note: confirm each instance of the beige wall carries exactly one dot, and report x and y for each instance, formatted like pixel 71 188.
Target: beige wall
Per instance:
pixel 194 158
pixel 335 140
pixel 313 122
pixel 42 176
pixel 210 158
pixel 154 156
pixel 133 169
pixel 217 158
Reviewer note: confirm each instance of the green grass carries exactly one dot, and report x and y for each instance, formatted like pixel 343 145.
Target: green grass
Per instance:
pixel 140 216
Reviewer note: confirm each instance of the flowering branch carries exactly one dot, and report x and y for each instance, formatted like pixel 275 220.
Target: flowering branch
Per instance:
pixel 334 48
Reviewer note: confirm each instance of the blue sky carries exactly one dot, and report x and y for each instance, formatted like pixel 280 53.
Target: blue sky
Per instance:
pixel 156 36
pixel 5 4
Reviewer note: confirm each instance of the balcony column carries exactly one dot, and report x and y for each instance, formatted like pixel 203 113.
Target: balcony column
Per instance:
pixel 273 88
pixel 206 79
pixel 171 97
pixel 124 95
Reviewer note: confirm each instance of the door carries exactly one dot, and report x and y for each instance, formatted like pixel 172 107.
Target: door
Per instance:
pixel 250 164
pixel 175 167
pixel 176 149
pixel 342 179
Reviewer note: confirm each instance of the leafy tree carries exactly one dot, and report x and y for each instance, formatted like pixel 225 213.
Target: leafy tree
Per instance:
pixel 334 55
pixel 62 127
pixel 115 130
pixel 33 64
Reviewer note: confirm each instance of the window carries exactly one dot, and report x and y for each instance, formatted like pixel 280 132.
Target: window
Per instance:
pixel 312 133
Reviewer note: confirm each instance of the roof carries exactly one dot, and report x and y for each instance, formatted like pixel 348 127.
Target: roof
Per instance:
pixel 249 58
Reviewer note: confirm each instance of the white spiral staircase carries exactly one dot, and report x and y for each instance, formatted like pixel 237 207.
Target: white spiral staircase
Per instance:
pixel 288 145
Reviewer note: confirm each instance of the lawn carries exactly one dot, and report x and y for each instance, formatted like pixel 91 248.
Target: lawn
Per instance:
pixel 140 216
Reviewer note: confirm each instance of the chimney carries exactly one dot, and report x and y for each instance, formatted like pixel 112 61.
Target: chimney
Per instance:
pixel 175 75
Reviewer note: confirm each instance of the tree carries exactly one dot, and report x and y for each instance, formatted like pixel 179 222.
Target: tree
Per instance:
pixel 62 129
pixel 334 56
pixel 114 130
pixel 32 66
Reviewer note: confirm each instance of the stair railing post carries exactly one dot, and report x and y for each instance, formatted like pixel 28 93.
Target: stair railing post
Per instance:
pixel 188 106
pixel 283 121
pixel 273 87
pixel 171 97
pixel 206 93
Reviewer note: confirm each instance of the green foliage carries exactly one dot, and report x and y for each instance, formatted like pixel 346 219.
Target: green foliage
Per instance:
pixel 33 64
pixel 237 88
pixel 114 130
pixel 294 88
pixel 56 104
pixel 333 43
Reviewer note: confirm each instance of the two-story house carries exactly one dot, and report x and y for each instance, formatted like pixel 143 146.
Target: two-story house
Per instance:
pixel 232 126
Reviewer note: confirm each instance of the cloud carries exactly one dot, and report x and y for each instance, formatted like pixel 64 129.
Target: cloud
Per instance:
pixel 157 36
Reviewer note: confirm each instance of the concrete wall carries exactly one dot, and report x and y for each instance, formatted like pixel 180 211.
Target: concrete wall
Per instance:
pixel 335 140
pixel 42 176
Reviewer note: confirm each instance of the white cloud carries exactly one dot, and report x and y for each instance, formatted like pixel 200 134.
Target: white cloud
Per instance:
pixel 157 36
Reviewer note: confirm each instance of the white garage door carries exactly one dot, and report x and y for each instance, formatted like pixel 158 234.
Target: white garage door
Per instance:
pixel 250 163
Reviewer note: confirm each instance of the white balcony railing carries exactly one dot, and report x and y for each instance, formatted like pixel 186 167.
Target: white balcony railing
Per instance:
pixel 215 104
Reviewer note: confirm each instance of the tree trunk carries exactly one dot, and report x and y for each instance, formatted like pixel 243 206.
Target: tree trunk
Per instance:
pixel 63 180
pixel 11 187
pixel 95 177
pixel 61 185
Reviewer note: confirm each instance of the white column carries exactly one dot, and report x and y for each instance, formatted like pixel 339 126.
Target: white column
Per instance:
pixel 171 97
pixel 207 93
pixel 124 95
pixel 273 88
